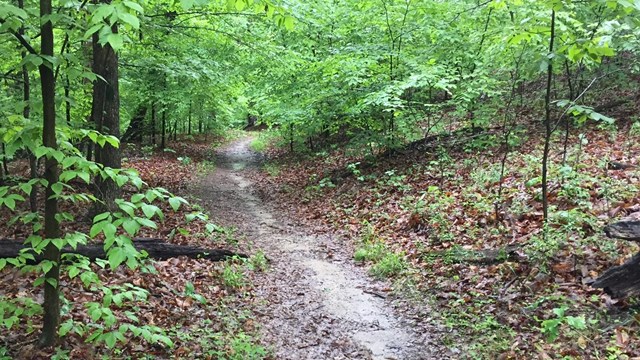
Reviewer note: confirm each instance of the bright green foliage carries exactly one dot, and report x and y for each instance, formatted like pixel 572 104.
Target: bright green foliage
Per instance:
pixel 552 327
pixel 379 72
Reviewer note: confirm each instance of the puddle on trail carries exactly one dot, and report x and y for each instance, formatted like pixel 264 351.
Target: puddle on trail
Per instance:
pixel 314 306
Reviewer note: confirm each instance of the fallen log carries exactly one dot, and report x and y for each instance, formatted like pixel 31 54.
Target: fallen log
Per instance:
pixel 625 230
pixel 480 257
pixel 621 281
pixel 156 248
pixel 624 280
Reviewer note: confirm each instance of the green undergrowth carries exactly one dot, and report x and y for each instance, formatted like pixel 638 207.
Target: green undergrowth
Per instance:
pixel 262 142
pixel 384 262
pixel 453 239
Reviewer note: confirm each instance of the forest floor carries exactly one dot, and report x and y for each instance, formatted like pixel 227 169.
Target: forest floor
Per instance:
pixel 436 219
pixel 313 302
pixel 368 258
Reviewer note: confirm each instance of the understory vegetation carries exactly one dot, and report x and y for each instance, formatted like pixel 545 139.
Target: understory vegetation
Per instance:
pixel 471 152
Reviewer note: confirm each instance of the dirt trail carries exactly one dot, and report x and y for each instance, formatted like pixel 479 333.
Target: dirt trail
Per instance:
pixel 315 301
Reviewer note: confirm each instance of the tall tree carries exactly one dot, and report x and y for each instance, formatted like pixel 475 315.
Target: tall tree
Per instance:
pixel 105 114
pixel 51 305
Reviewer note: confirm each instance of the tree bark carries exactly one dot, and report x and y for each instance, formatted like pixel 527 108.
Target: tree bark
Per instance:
pixel 2 166
pixel 51 305
pixel 136 126
pixel 156 248
pixel 547 124
pixel 153 123
pixel 621 281
pixel 624 229
pixel 164 129
pixel 190 110
pixel 26 113
pixel 624 280
pixel 105 113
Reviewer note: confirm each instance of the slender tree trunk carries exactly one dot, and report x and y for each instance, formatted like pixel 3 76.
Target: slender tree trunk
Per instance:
pixel 164 129
pixel 3 166
pixel 153 122
pixel 175 129
pixel 51 305
pixel 547 124
pixel 26 113
pixel 291 137
pixel 67 103
pixel 190 110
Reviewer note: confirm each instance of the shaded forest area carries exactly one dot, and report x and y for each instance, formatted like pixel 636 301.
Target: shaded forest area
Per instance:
pixel 472 152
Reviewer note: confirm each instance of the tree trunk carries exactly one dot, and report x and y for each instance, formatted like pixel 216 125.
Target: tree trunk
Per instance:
pixel 175 130
pixel 153 122
pixel 2 166
pixel 105 113
pixel 26 113
pixel 547 124
pixel 164 129
pixel 156 248
pixel 136 126
pixel 51 304
pixel 624 280
pixel 190 110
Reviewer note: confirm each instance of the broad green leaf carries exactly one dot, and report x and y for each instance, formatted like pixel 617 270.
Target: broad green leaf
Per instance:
pixel 288 23
pixel 133 6
pixel 65 327
pixel 116 257
pixel 131 226
pixel 117 42
pixel 150 210
pixel 577 322
pixel 130 19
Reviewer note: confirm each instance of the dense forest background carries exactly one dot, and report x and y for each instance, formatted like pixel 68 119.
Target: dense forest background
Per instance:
pixel 473 151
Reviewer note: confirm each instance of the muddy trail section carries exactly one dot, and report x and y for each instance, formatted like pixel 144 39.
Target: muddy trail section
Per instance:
pixel 314 303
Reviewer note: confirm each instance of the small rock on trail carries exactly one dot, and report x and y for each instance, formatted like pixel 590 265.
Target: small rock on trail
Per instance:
pixel 314 304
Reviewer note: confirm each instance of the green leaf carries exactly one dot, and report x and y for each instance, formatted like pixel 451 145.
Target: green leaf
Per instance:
pixel 109 230
pixel 116 41
pixel 59 243
pixel 150 210
pixel 146 222
pixel 73 271
pixel 116 257
pixel 97 228
pixel 136 181
pixel 133 6
pixel 186 4
pixel 57 188
pixel 288 23
pixel 46 265
pixel 95 313
pixel 121 180
pixel 130 19
pixel 131 226
pixel 95 28
pixel 101 217
pixel 577 322
pixel 175 203
pixel 26 188
pixel 10 203
pixel 65 327
pixel 85 176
